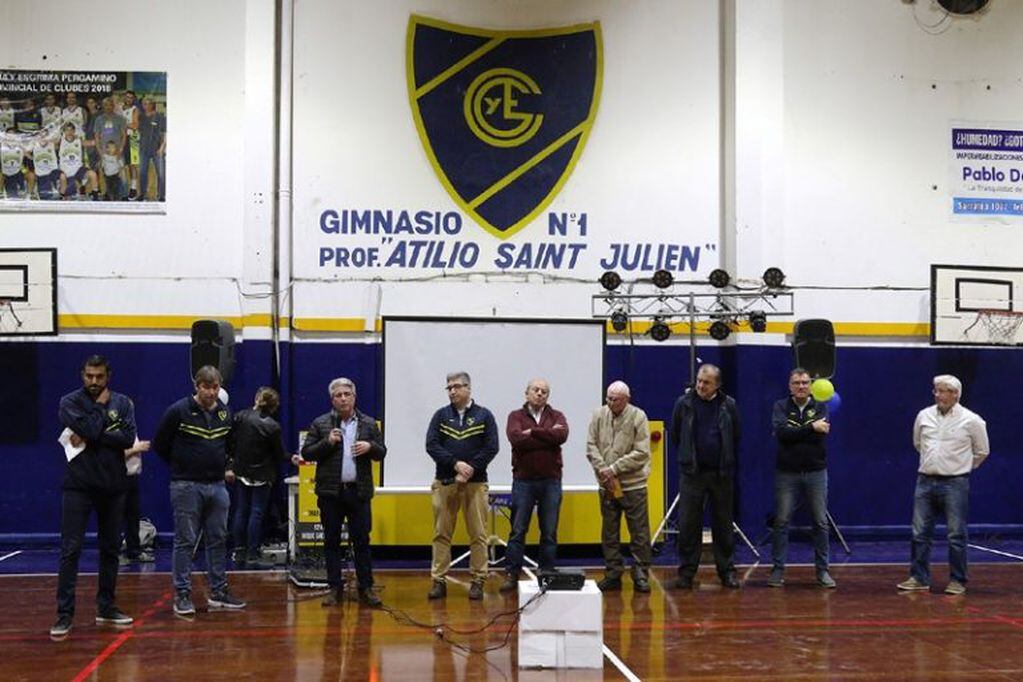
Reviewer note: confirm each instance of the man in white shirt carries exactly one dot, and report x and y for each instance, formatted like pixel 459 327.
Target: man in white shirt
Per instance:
pixel 952 442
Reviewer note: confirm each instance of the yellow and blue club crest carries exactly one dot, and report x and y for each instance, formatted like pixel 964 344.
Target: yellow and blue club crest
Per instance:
pixel 503 115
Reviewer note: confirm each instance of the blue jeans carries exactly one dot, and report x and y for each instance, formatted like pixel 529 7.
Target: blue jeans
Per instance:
pixel 159 164
pixel 247 529
pixel 814 487
pixel 545 495
pixel 198 505
pixel 936 495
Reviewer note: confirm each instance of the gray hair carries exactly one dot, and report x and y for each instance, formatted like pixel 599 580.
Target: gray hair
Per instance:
pixel 337 383
pixel 949 381
pixel 619 387
pixel 460 376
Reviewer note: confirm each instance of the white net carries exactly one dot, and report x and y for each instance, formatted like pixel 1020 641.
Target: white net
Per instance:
pixel 1001 325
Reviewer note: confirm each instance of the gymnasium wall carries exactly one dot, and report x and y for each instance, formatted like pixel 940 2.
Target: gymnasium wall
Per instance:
pixel 808 136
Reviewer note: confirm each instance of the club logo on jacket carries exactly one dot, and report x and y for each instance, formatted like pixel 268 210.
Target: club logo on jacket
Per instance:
pixel 112 414
pixel 503 115
pixel 222 415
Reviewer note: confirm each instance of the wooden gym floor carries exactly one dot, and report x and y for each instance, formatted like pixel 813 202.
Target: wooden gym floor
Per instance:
pixel 864 630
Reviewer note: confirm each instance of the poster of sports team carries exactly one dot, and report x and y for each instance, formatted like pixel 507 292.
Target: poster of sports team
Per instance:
pixel 82 136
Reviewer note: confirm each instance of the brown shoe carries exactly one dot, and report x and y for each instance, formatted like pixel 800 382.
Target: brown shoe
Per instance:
pixel 510 584
pixel 368 598
pixel 476 590
pixel 438 590
pixel 332 598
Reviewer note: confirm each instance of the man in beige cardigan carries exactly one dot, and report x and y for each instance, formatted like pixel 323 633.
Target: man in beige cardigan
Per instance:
pixel 618 447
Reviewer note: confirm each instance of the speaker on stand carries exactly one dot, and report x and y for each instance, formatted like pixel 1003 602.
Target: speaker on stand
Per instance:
pixel 213 344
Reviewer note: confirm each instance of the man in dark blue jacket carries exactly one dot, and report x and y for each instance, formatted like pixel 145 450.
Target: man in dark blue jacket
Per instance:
pixel 462 440
pixel 101 423
pixel 192 438
pixel 800 424
pixel 705 433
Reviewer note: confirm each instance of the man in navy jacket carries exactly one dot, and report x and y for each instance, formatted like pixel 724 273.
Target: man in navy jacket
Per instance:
pixel 462 440
pixel 103 423
pixel 192 438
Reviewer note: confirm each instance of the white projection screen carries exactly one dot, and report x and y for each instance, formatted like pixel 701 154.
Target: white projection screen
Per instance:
pixel 501 356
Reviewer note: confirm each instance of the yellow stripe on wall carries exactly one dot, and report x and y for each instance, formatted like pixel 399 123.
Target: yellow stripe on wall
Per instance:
pixel 69 321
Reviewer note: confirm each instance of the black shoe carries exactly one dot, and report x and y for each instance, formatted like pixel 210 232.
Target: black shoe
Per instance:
pixel 113 616
pixel 476 590
pixel 731 582
pixel 684 583
pixel 62 627
pixel 609 584
pixel 224 600
pixel 132 194
pixel 183 605
pixel 510 584
pixel 641 585
pixel 368 598
pixel 333 597
pixel 438 590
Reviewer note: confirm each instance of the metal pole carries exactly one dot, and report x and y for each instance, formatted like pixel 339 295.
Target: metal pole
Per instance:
pixel 692 340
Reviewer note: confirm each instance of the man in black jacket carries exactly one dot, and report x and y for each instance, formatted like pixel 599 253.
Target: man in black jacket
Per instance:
pixel 800 424
pixel 705 434
pixel 101 423
pixel 344 443
pixel 192 438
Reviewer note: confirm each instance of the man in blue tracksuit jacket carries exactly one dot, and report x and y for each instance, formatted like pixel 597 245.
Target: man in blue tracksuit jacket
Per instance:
pixel 462 440
pixel 96 478
pixel 192 438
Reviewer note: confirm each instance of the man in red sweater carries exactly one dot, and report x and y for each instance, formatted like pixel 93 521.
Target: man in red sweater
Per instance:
pixel 536 432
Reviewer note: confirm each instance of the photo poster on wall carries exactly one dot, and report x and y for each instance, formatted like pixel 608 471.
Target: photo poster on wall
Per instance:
pixel 986 168
pixel 92 140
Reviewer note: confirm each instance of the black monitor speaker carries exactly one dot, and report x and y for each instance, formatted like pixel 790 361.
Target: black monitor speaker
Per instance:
pixel 814 344
pixel 213 344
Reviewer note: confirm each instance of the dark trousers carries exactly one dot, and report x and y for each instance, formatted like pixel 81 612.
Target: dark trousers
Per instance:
pixel 633 504
pixel 334 510
pixel 76 506
pixel 132 515
pixel 247 527
pixel 545 495
pixel 695 491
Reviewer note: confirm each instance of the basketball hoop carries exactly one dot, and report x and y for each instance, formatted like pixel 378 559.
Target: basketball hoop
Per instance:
pixel 1001 325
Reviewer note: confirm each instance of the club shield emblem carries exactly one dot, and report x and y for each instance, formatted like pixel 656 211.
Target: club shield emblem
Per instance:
pixel 503 115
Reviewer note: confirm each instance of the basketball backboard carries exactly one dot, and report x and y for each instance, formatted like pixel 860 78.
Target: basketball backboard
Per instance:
pixel 28 292
pixel 976 305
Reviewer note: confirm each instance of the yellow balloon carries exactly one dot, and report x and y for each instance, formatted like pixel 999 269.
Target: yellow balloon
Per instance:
pixel 822 390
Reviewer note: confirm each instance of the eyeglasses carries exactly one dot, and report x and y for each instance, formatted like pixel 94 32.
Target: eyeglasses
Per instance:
pixel 451 387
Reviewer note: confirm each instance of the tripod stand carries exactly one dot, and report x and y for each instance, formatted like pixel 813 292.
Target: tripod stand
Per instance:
pixel 661 528
pixel 497 504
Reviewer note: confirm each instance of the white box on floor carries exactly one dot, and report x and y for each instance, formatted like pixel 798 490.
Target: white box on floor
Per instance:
pixel 561 629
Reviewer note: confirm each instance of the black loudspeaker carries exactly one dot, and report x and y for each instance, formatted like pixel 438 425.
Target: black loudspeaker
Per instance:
pixel 814 344
pixel 213 344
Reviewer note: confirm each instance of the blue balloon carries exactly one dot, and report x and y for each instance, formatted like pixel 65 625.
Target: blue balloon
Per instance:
pixel 835 404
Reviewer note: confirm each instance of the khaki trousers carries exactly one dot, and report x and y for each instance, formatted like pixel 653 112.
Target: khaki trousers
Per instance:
pixel 472 499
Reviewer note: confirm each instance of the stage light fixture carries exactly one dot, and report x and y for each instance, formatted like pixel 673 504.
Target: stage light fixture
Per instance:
pixel 619 321
pixel 660 331
pixel 758 321
pixel 663 279
pixel 610 280
pixel 719 279
pixel 774 278
pixel 719 330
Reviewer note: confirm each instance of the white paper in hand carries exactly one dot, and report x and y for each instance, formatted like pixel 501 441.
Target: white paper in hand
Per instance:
pixel 70 450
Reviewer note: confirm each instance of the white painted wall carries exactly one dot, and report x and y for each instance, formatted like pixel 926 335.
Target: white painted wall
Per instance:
pixel 198 257
pixel 841 168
